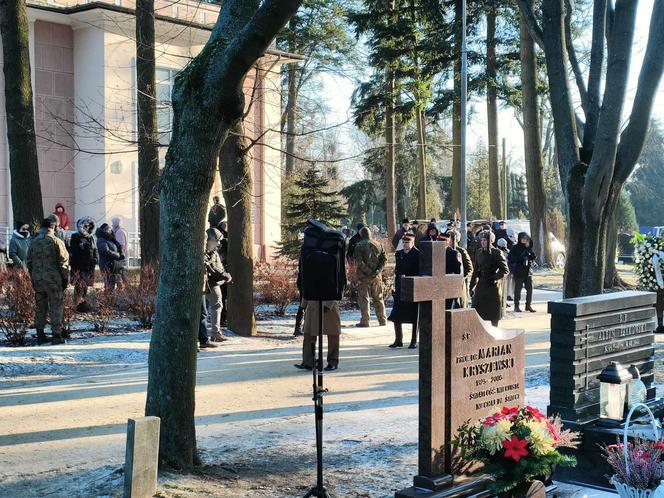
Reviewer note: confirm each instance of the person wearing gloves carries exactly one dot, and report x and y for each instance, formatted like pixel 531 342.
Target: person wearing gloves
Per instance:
pixel 19 245
pixel 110 253
pixel 520 261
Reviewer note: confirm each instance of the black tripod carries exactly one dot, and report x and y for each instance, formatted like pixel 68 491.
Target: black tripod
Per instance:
pixel 319 391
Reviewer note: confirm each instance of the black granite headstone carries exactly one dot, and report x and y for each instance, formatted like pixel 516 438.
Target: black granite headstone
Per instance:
pixel 587 333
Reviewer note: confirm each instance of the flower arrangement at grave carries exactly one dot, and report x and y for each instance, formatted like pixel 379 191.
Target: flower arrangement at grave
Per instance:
pixel 649 261
pixel 516 446
pixel 641 472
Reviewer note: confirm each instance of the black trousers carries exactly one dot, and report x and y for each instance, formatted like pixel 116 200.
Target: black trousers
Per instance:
pixel 520 283
pixel 202 325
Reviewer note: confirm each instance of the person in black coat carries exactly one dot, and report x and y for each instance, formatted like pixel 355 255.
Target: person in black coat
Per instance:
pixel 83 259
pixel 520 261
pixel 110 251
pixel 501 233
pixel 407 265
pixel 354 240
pixel 453 266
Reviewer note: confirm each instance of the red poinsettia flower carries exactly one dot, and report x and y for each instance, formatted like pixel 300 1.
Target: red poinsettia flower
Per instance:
pixel 535 413
pixel 509 413
pixel 515 448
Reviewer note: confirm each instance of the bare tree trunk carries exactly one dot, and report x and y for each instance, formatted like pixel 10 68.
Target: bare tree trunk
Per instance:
pixel 533 147
pixel 422 164
pixel 291 103
pixel 236 179
pixel 148 149
pixel 208 102
pixel 390 156
pixel 456 115
pixel 495 195
pixel 23 166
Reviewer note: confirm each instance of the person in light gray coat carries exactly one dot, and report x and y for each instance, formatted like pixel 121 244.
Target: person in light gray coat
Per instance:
pixel 19 245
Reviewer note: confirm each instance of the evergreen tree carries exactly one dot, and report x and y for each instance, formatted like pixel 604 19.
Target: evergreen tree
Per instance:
pixel 518 196
pixel 646 187
pixel 311 198
pixel 361 199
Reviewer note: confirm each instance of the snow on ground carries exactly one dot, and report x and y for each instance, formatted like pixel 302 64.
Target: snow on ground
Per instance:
pixel 255 423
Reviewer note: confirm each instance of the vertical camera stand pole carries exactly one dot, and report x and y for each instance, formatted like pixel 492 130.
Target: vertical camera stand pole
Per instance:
pixel 319 391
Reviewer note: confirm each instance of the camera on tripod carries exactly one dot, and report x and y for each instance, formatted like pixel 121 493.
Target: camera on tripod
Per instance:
pixel 322 268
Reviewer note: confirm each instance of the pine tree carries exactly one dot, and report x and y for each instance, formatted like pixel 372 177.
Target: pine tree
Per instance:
pixel 311 198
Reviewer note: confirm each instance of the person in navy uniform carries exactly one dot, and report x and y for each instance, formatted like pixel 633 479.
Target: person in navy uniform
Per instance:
pixel 453 266
pixel 407 265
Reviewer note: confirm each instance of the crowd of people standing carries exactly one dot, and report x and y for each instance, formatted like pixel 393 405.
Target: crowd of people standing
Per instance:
pixel 493 265
pixel 55 259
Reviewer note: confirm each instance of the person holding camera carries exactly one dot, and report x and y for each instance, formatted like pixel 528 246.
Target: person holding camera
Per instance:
pixel 216 277
pixel 371 260
pixel 520 261
pixel 331 328
pixel 48 264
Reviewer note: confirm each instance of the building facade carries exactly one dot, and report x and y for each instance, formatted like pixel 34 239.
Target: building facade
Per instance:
pixel 84 81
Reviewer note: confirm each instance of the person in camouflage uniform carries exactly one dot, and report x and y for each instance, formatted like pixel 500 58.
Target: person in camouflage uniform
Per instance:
pixel 370 257
pixel 48 264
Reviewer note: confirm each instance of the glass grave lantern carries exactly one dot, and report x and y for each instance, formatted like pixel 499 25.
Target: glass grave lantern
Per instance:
pixel 614 380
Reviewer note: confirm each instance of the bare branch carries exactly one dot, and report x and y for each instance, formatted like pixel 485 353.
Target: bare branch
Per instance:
pixel 574 62
pixel 601 168
pixel 633 137
pixel 595 73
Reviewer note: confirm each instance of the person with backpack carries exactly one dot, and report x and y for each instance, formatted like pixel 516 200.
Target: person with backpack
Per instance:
pixel 371 260
pixel 216 277
pixel 83 259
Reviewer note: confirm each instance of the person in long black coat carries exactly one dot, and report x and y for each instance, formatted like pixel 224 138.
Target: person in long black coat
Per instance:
pixel 407 265
pixel 489 267
pixel 520 262
pixel 83 259
pixel 453 266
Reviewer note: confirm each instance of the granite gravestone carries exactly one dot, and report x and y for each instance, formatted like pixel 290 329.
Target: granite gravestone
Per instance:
pixel 588 333
pixel 142 457
pixel 467 368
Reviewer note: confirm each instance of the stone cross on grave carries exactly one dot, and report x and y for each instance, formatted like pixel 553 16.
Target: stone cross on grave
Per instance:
pixel 431 290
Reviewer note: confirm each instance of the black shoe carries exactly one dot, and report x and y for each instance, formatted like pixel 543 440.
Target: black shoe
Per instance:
pixel 412 345
pixel 509 298
pixel 517 309
pixel 530 308
pixel 331 367
pixel 57 340
pixel 362 325
pixel 659 330
pixel 302 366
pixel 41 338
pixel 396 345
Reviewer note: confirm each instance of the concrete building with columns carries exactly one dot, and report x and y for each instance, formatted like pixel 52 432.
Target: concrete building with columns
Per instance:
pixel 83 74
